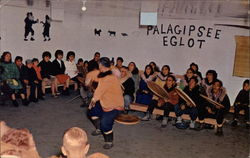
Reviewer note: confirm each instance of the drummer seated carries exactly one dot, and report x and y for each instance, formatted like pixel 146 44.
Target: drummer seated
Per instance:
pixel 165 104
pixel 129 87
pixel 218 94
pixel 192 90
pixel 242 103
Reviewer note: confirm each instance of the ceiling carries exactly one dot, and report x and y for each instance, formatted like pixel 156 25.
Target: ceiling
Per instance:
pixel 174 9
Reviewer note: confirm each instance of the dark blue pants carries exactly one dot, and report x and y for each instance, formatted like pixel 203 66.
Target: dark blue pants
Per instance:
pixel 193 112
pixel 107 118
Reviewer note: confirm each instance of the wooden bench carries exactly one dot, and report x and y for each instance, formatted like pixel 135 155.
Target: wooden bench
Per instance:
pixel 60 85
pixel 143 108
pixel 231 110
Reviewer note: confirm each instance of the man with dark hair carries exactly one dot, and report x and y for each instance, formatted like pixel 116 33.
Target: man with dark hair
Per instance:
pixel 218 94
pixel 106 103
pixel 93 64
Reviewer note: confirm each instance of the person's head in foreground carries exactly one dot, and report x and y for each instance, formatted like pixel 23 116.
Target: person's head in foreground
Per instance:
pixel 75 143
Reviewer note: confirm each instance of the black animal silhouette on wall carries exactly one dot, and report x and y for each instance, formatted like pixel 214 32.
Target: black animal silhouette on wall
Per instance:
pixel 124 34
pixel 112 33
pixel 98 32
pixel 29 21
pixel 46 28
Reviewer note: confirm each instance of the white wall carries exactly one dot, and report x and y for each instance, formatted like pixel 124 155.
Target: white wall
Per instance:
pixel 76 33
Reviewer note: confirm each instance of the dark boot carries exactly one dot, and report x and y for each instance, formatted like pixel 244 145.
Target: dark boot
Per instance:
pixel 84 102
pixel 108 140
pixel 234 123
pixel 25 102
pixel 15 103
pixel 200 126
pixel 97 124
pixel 219 131
pixel 65 92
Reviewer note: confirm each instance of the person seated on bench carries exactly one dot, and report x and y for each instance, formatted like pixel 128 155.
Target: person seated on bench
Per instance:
pixel 185 78
pixel 242 103
pixel 11 76
pixel 135 74
pixel 82 68
pixel 119 62
pixel 93 64
pixel 23 76
pixel 75 145
pixel 161 77
pixel 59 72
pixel 192 90
pixel 47 73
pixel 161 80
pixel 154 66
pixel 32 80
pixel 128 87
pixel 37 68
pixel 211 76
pixel 143 94
pixel 217 93
pixel 71 68
pixel 168 104
pixel 195 67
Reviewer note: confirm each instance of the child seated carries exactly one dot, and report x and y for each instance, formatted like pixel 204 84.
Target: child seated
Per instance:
pixel 32 81
pixel 37 68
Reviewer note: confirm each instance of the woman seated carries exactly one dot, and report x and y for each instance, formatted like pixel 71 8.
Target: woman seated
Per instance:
pixel 135 74
pixel 195 67
pixel 185 78
pixel 11 76
pixel 154 66
pixel 165 104
pixel 59 72
pixel 71 68
pixel 82 67
pixel 217 93
pixel 211 76
pixel 143 94
pixel 192 90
